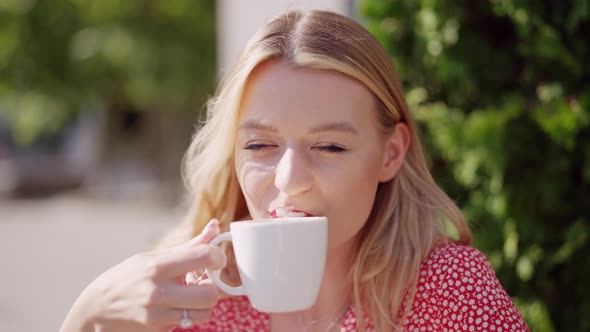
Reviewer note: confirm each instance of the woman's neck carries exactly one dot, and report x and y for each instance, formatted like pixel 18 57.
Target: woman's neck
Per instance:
pixel 334 298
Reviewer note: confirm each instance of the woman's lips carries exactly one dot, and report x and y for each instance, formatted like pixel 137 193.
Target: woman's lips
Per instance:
pixel 286 213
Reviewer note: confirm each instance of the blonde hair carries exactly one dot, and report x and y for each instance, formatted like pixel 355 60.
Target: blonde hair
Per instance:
pixel 405 223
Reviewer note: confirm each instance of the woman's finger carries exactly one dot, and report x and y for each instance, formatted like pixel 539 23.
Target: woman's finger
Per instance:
pixel 170 318
pixel 202 296
pixel 193 277
pixel 191 255
pixel 210 231
pixel 176 262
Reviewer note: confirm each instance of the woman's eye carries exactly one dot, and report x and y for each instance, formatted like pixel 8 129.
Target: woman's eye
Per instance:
pixel 330 148
pixel 256 146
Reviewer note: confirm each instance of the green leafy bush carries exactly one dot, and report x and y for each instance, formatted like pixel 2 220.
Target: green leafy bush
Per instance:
pixel 501 90
pixel 58 55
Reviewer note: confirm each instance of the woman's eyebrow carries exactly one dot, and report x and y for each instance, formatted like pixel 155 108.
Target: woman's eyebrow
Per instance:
pixel 334 126
pixel 257 125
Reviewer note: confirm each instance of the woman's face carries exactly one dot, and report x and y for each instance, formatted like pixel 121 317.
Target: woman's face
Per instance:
pixel 309 141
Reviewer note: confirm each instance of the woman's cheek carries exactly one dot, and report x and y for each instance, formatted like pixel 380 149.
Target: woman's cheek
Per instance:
pixel 257 183
pixel 352 199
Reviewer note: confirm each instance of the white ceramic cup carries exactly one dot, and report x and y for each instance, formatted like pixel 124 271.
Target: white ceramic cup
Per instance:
pixel 280 261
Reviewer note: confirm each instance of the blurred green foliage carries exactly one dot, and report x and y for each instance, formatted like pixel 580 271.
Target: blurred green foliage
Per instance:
pixel 58 55
pixel 501 90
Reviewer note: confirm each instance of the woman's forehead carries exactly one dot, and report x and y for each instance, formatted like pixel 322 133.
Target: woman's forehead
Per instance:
pixel 275 71
pixel 276 85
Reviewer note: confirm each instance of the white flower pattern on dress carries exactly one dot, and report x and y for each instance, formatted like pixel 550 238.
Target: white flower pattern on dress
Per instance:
pixel 457 291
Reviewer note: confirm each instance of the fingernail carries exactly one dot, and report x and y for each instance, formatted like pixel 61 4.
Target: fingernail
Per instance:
pixel 212 223
pixel 191 279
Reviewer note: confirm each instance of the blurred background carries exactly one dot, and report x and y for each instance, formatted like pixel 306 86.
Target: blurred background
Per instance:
pixel 98 100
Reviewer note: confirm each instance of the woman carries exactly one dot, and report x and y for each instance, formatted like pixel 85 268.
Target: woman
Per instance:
pixel 312 119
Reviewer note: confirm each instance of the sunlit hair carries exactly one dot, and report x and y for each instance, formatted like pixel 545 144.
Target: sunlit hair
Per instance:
pixel 411 214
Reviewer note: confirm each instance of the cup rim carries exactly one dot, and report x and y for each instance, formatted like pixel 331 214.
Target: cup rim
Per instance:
pixel 274 221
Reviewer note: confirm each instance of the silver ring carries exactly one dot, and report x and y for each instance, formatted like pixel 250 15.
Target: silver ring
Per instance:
pixel 186 322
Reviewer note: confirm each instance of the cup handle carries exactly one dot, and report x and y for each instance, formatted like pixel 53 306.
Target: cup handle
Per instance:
pixel 214 275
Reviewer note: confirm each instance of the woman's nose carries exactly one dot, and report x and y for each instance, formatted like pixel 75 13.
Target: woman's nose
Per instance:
pixel 292 173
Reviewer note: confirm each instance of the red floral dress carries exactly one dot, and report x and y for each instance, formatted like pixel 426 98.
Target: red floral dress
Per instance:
pixel 457 291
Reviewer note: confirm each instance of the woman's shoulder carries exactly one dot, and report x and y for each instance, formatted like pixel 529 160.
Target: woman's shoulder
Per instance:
pixel 456 268
pixel 458 288
pixel 450 256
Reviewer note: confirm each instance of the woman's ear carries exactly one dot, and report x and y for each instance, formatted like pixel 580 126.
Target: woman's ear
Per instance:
pixel 394 154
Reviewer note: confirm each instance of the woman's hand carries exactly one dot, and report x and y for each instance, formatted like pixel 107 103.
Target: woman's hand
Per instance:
pixel 148 292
